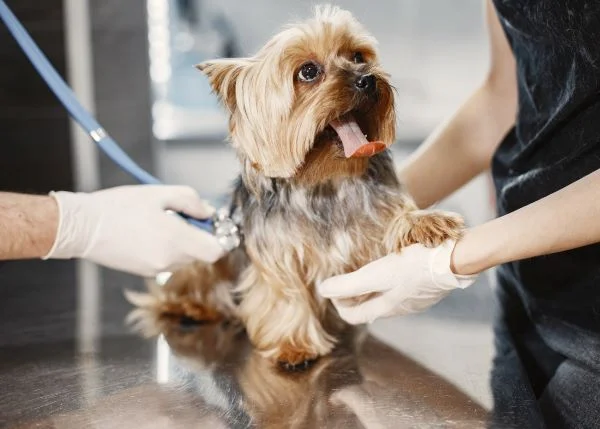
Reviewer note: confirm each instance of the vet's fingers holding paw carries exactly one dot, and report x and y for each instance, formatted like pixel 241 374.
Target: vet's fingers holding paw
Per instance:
pixel 408 282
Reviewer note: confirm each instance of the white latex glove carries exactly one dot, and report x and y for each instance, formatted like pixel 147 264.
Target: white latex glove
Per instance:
pixel 404 283
pixel 128 229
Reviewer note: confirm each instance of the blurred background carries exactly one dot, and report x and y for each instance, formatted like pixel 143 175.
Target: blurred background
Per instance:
pixel 131 63
pixel 435 52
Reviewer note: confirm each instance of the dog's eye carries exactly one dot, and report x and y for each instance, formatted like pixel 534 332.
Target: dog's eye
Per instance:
pixel 358 58
pixel 309 72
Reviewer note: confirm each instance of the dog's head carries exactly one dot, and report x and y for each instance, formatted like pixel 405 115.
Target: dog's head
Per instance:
pixel 315 86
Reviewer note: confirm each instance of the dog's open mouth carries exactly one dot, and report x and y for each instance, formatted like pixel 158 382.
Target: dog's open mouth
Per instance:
pixel 348 133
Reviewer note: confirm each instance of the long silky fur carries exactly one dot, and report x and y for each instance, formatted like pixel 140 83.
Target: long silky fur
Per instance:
pixel 308 212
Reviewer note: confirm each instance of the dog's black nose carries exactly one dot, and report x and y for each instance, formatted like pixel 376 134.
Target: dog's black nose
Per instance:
pixel 365 82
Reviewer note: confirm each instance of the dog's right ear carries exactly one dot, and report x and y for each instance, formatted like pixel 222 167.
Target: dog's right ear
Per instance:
pixel 222 75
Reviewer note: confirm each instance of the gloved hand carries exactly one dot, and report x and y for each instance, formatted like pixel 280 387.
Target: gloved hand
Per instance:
pixel 128 229
pixel 403 283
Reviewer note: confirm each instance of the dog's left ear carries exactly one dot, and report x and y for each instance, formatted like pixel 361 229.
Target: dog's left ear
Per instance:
pixel 222 75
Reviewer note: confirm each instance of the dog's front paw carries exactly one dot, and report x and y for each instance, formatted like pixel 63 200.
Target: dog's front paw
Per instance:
pixel 430 228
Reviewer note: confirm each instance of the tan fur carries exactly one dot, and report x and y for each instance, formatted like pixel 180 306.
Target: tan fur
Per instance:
pixel 324 163
pixel 295 180
pixel 429 228
pixel 276 136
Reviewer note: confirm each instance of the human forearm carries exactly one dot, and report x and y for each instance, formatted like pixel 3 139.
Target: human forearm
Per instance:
pixel 28 225
pixel 460 149
pixel 126 228
pixel 463 147
pixel 418 277
pixel 564 220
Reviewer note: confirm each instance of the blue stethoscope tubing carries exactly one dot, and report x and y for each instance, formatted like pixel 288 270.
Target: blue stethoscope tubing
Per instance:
pixel 77 111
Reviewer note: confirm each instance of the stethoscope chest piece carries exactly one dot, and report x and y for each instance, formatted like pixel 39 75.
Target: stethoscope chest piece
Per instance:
pixel 227 229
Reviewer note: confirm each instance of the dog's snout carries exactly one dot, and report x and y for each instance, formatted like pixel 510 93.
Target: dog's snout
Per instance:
pixel 365 82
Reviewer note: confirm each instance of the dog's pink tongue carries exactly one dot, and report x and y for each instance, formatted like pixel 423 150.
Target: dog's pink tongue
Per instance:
pixel 355 143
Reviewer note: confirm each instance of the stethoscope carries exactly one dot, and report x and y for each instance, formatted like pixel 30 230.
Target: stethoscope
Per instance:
pixel 221 225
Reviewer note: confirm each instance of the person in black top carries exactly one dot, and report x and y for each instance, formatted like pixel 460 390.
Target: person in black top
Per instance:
pixel 535 120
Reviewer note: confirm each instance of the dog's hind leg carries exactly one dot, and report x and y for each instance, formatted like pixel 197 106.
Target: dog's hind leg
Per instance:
pixel 199 293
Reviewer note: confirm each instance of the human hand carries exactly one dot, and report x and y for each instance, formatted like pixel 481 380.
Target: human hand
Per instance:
pixel 401 283
pixel 128 228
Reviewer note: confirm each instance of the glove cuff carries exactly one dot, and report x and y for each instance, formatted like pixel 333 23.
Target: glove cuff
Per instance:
pixel 440 271
pixel 70 236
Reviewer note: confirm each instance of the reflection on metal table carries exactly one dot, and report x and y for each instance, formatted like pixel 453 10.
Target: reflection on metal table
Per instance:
pixel 55 375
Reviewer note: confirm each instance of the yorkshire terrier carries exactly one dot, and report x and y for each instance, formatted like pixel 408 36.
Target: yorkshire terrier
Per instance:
pixel 311 117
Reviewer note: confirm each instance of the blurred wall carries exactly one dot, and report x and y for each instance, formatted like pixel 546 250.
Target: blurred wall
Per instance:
pixel 122 93
pixel 35 156
pixel 36 146
pixel 34 129
pixel 122 86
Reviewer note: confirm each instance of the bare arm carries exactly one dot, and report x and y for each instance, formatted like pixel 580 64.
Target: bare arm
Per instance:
pixel 462 148
pixel 28 225
pixel 419 277
pixel 564 220
pixel 126 228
